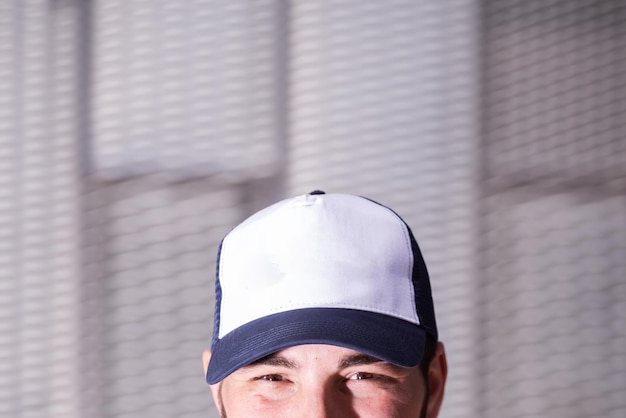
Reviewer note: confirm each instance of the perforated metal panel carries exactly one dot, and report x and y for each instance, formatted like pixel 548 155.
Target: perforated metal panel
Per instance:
pixel 151 257
pixel 186 89
pixel 554 305
pixel 555 78
pixel 39 217
pixel 555 224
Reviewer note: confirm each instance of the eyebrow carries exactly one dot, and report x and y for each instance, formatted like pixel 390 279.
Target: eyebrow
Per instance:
pixel 364 360
pixel 274 359
pixel 358 360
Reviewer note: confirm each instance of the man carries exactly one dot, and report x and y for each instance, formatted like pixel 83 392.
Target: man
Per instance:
pixel 324 309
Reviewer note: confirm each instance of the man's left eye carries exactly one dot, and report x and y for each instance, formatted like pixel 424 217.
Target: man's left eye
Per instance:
pixel 361 376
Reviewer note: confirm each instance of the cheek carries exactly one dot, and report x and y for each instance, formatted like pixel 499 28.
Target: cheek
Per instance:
pixel 245 402
pixel 257 408
pixel 387 406
pixel 396 401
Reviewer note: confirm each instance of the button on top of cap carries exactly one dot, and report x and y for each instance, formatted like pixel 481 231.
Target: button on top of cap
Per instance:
pixel 308 199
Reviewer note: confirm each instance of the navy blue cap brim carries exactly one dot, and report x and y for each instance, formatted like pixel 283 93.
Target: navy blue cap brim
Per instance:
pixel 387 338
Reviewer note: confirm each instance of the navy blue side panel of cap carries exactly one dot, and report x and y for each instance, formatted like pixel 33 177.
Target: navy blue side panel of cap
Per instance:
pixel 387 338
pixel 218 299
pixel 423 292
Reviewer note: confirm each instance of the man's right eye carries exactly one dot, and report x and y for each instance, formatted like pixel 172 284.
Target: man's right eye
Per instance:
pixel 271 378
pixel 273 386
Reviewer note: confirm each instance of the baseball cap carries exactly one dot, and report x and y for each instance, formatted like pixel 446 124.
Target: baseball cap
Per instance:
pixel 320 268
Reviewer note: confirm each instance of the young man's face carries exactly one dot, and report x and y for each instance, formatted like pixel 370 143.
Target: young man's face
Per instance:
pixel 329 381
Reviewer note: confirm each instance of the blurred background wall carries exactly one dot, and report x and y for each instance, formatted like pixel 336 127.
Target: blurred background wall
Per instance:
pixel 134 134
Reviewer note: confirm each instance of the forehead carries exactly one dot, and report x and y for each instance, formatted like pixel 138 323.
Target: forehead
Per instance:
pixel 305 352
pixel 322 357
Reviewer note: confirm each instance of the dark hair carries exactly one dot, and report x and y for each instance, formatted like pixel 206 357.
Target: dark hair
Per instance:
pixel 430 346
pixel 429 352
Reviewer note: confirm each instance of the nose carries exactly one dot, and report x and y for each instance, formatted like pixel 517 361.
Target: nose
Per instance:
pixel 325 401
